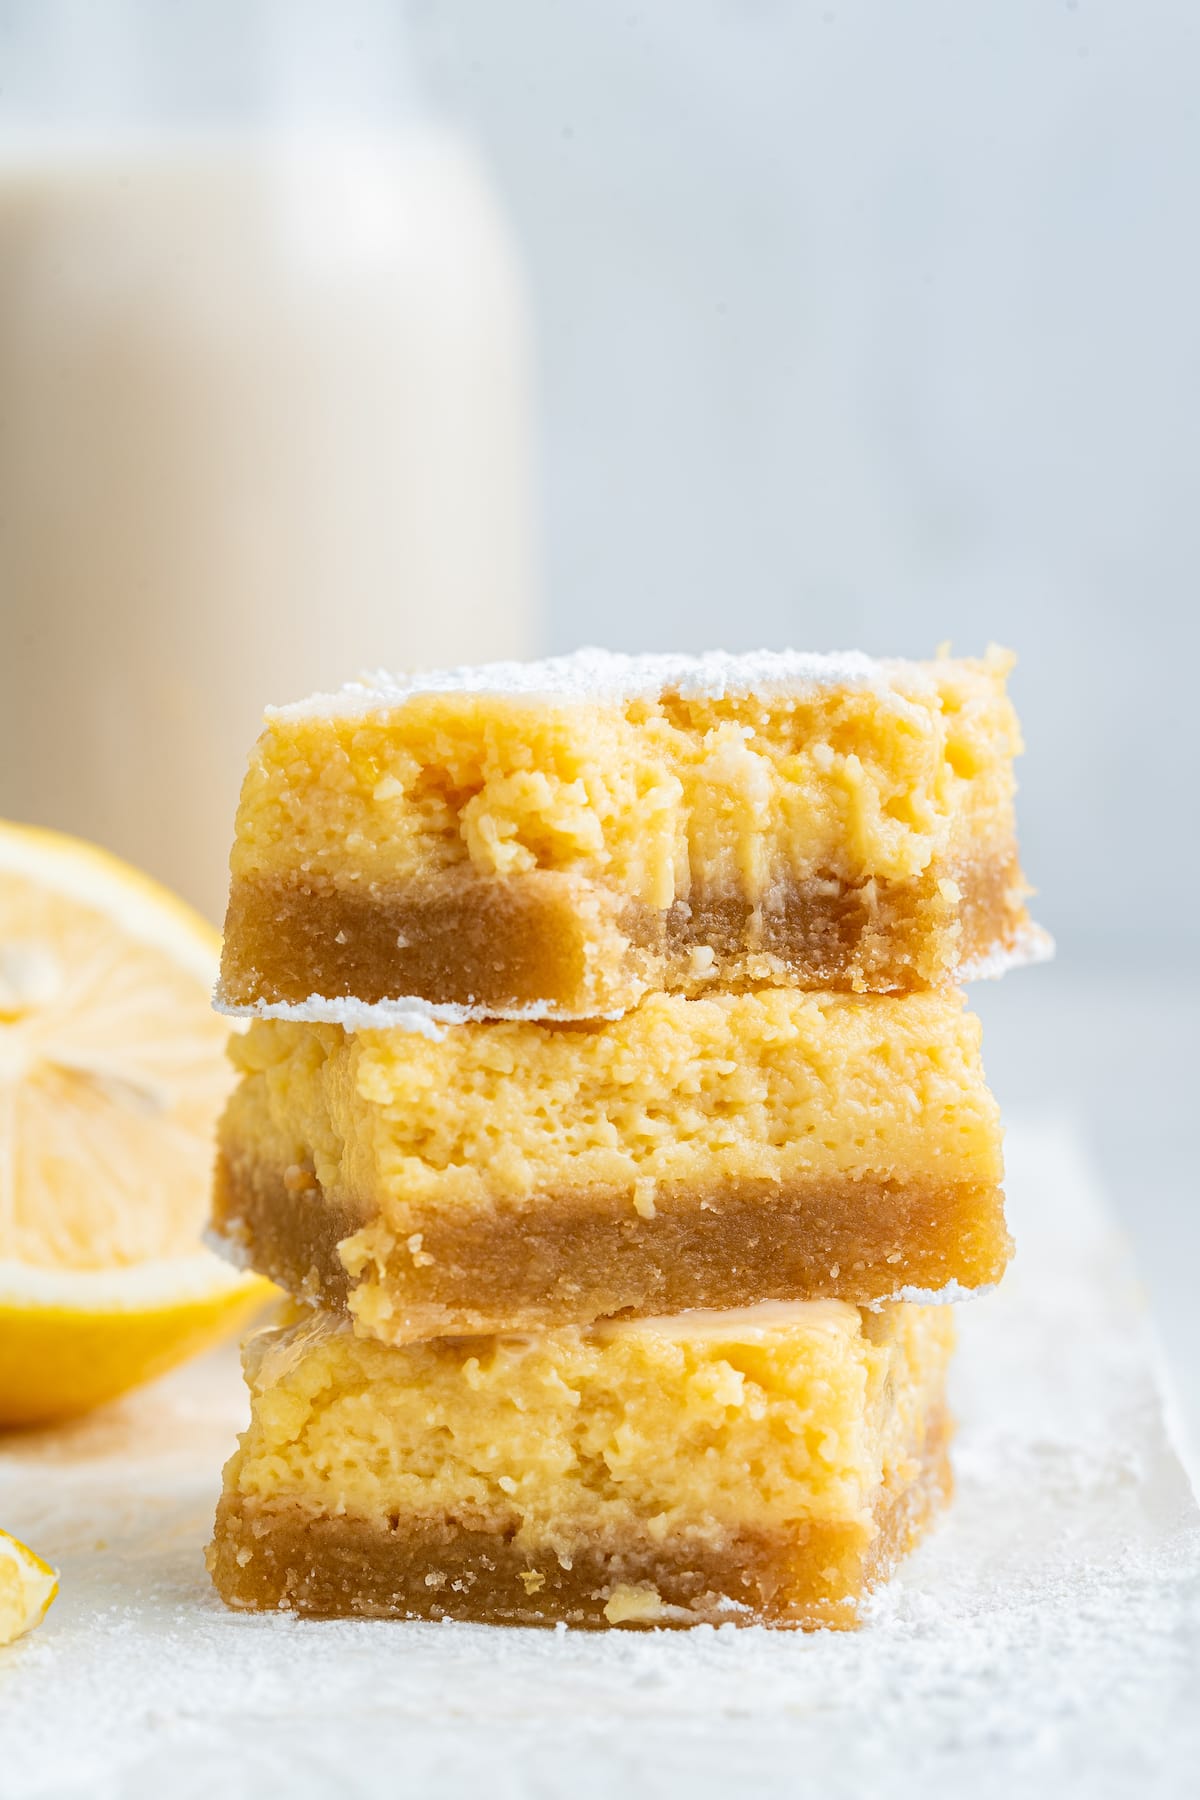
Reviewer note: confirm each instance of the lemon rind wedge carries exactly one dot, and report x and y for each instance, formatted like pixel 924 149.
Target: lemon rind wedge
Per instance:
pixel 74 1339
pixel 37 1587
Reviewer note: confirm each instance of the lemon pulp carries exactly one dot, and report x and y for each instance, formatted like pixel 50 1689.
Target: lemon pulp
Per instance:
pixel 112 1074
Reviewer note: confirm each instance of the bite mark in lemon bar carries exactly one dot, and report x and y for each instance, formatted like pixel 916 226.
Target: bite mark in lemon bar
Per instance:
pixel 557 839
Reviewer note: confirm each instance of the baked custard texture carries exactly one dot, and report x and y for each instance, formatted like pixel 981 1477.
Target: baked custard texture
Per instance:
pixel 762 1467
pixel 560 838
pixel 694 1153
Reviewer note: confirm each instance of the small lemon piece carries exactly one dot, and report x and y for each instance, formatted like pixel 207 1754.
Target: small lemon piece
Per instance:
pixel 27 1586
pixel 112 1074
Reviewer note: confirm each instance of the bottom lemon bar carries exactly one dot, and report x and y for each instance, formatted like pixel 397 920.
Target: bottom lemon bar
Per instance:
pixel 763 1466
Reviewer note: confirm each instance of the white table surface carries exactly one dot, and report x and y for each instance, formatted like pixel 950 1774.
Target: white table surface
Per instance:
pixel 1045 1640
pixel 1109 1044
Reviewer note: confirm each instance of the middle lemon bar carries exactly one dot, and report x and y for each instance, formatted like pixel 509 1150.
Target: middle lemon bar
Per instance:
pixel 712 1153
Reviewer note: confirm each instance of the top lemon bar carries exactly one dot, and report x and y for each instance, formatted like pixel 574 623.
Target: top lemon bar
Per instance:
pixel 556 839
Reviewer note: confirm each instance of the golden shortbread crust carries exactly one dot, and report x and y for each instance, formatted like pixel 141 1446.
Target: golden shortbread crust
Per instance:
pixel 571 1258
pixel 572 947
pixel 271 1555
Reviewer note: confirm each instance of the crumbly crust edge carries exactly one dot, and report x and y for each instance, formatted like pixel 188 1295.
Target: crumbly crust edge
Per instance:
pixel 572 1258
pixel 286 1554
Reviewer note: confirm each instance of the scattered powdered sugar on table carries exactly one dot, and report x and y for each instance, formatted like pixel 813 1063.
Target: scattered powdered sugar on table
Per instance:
pixel 1043 1641
pixel 614 677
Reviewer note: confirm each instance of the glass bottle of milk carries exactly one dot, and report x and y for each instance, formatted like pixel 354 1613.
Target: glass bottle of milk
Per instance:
pixel 264 417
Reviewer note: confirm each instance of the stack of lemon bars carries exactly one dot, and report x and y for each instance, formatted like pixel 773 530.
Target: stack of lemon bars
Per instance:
pixel 611 1111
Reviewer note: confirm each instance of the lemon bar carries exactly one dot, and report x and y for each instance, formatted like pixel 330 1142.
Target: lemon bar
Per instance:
pixel 765 1467
pixel 694 1153
pixel 556 839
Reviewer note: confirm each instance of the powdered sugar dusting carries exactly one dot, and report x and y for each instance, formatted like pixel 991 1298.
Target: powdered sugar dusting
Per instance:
pixel 1030 945
pixel 611 676
pixel 423 1017
pixel 950 1295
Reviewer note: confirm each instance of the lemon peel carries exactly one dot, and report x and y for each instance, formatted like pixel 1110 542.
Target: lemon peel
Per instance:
pixel 27 1588
pixel 112 1074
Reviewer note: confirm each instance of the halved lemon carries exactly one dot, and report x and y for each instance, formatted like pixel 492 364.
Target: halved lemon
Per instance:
pixel 27 1586
pixel 112 1074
